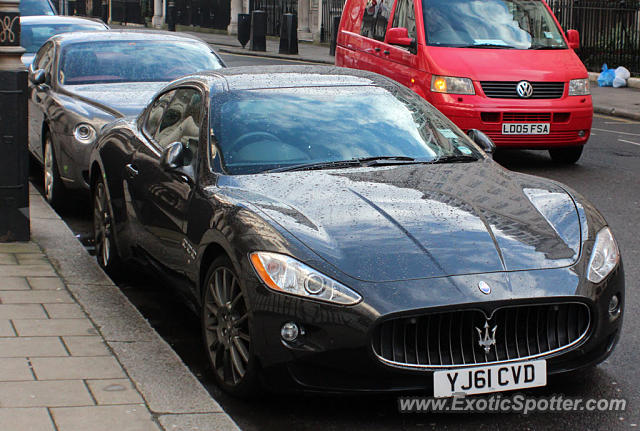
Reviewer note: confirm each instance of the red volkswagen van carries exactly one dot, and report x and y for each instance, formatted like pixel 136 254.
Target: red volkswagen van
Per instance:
pixel 501 66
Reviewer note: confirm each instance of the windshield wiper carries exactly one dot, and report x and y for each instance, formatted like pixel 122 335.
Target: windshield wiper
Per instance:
pixel 488 45
pixel 357 162
pixel 455 159
pixel 545 47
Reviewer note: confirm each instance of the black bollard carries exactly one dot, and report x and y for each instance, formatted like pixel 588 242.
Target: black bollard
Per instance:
pixel 171 15
pixel 244 28
pixel 14 163
pixel 334 35
pixel 105 11
pixel 289 34
pixel 258 30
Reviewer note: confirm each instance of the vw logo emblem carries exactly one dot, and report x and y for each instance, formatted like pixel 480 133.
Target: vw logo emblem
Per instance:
pixel 524 89
pixel 484 288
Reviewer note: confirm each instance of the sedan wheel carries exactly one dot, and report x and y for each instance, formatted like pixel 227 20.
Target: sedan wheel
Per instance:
pixel 53 187
pixel 226 333
pixel 103 229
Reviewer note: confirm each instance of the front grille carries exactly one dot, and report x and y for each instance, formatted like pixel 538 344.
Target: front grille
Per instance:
pixel 451 338
pixel 540 117
pixel 507 89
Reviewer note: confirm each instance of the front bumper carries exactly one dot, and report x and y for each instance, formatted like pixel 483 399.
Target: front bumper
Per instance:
pixel 570 118
pixel 335 353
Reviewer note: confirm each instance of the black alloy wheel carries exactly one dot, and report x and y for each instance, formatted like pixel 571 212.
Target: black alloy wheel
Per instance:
pixel 103 230
pixel 226 330
pixel 54 190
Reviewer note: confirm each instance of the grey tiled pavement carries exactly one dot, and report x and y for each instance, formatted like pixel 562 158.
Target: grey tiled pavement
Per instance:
pixel 67 363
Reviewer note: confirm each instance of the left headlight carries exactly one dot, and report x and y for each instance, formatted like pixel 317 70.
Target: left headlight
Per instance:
pixel 604 256
pixel 579 87
pixel 285 274
pixel 85 133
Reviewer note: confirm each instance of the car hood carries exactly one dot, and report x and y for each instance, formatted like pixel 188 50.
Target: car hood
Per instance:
pixel 506 64
pixel 420 221
pixel 119 99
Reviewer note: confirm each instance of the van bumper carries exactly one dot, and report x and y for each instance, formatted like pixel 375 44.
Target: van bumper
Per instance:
pixel 569 118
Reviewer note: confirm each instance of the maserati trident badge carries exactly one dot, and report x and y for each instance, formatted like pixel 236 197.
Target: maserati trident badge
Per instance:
pixel 488 339
pixel 484 287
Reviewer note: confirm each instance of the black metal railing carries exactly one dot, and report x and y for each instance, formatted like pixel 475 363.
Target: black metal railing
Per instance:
pixel 127 11
pixel 274 10
pixel 330 9
pixel 609 31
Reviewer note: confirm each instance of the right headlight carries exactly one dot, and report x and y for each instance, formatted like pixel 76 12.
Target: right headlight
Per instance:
pixel 452 85
pixel 604 256
pixel 579 87
pixel 286 275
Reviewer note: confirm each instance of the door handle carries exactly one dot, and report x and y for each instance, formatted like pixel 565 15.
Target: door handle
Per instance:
pixel 385 52
pixel 131 170
pixel 376 49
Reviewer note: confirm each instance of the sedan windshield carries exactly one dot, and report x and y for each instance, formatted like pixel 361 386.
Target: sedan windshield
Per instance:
pixel 327 128
pixel 498 24
pixel 36 7
pixel 133 61
pixel 33 36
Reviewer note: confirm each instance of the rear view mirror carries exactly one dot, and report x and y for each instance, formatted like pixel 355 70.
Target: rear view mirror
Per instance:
pixel 39 77
pixel 400 36
pixel 173 157
pixel 574 39
pixel 482 140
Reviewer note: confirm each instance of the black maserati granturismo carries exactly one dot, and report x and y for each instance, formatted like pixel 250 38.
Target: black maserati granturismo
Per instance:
pixel 336 232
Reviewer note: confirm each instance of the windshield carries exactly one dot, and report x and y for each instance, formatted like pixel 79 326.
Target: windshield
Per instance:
pixel 33 36
pixel 36 7
pixel 263 130
pixel 133 61
pixel 520 24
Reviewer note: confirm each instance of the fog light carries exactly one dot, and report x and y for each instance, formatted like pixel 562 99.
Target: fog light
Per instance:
pixel 289 331
pixel 614 306
pixel 582 133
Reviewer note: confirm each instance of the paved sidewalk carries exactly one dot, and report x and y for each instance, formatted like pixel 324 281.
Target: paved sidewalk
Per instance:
pixel 621 102
pixel 75 355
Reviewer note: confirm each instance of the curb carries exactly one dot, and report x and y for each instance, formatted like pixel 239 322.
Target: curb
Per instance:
pixel 231 50
pixel 609 110
pixel 173 395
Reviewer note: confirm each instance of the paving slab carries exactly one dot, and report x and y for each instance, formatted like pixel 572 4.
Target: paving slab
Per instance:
pixel 19 247
pixel 53 327
pixel 86 346
pixel 197 422
pixel 14 369
pixel 8 259
pixel 31 347
pixel 45 283
pixel 21 311
pixel 14 283
pixel 35 297
pixel 104 418
pixel 114 391
pixel 77 367
pixel 25 419
pixel 6 330
pixel 41 270
pixel 64 311
pixel 44 394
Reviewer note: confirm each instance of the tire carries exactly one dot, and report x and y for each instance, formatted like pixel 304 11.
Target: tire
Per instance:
pixel 566 156
pixel 103 231
pixel 54 189
pixel 226 331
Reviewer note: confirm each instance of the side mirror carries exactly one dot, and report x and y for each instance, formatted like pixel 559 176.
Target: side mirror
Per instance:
pixel 574 39
pixel 482 140
pixel 173 157
pixel 39 77
pixel 400 36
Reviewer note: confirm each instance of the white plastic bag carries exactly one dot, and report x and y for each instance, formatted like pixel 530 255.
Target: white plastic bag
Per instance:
pixel 623 72
pixel 619 82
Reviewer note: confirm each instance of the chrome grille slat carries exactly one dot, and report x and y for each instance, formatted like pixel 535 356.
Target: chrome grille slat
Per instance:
pixel 422 342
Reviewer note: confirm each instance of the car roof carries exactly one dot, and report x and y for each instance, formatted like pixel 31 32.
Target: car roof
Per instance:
pixel 117 35
pixel 260 77
pixel 58 19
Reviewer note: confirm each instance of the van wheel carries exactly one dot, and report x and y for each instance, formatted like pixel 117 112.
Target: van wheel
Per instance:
pixel 566 155
pixel 54 189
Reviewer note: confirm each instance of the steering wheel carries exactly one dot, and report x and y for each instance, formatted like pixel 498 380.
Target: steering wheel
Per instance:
pixel 253 137
pixel 176 71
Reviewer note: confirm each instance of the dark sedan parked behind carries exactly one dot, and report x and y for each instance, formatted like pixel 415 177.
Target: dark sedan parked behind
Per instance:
pixel 35 30
pixel 81 81
pixel 336 232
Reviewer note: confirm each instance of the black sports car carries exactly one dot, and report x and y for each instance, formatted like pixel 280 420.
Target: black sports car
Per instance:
pixel 81 81
pixel 334 231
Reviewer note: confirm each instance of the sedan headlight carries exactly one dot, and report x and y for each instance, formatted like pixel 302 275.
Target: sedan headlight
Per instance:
pixel 604 256
pixel 579 87
pixel 85 133
pixel 285 274
pixel 451 85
